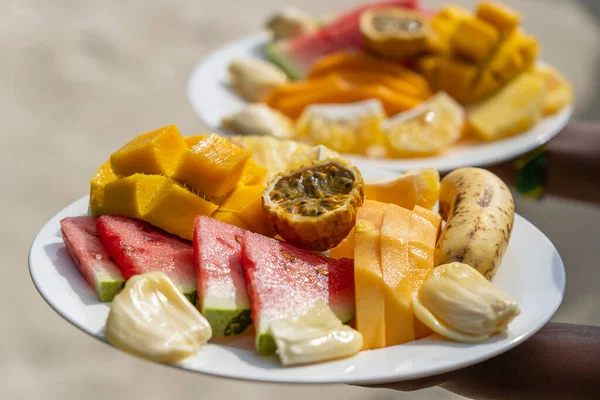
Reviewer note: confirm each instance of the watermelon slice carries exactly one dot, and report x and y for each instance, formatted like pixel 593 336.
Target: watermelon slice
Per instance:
pixel 90 258
pixel 284 281
pixel 296 56
pixel 222 296
pixel 138 247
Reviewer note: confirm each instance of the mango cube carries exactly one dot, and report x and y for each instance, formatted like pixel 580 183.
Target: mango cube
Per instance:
pixel 501 16
pixel 245 202
pixel 475 39
pixel 103 176
pixel 155 152
pixel 429 67
pixel 131 196
pixel 253 174
pixel 174 208
pixel 453 12
pixel 213 166
pixel 191 141
pixel 229 218
pixel 455 77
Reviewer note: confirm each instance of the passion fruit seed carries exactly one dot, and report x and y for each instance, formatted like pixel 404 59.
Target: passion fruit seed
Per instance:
pixel 312 193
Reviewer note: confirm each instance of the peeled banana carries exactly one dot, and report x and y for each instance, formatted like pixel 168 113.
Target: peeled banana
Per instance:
pixel 479 212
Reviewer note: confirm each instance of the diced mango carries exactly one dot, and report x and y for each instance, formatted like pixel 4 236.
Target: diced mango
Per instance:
pixel 424 232
pixel 368 278
pixel 103 176
pixel 345 249
pixel 155 152
pixel 213 167
pixel 191 141
pixel 508 61
pixel 253 174
pixel 174 208
pixel 455 77
pixel 429 66
pixel 453 12
pixel 529 49
pixel 245 202
pixel 500 15
pixel 475 39
pixel 229 218
pixel 131 196
pixel 397 275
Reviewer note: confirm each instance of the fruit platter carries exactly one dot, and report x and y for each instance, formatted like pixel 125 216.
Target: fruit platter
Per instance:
pixel 269 259
pixel 389 84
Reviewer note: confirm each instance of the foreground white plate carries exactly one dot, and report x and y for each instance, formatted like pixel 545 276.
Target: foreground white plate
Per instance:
pixel 532 272
pixel 212 99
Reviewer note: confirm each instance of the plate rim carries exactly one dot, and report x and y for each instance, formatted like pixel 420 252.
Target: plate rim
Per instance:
pixel 381 379
pixel 562 118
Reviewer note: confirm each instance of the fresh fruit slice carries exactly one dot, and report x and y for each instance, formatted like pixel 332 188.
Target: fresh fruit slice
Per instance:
pixel 260 119
pixel 284 281
pixel 213 167
pixel 513 110
pixel 444 24
pixel 397 275
pixel 455 76
pixel 347 128
pixel 314 207
pixel 475 39
pixel 138 247
pixel 559 92
pixel 155 152
pixel 427 129
pixel 254 78
pixel 316 153
pixel 419 187
pixel 222 295
pixel 345 249
pixel 191 141
pixel 131 196
pixel 103 175
pixel 394 32
pixel 368 277
pixel 229 218
pixel 90 258
pixel 499 15
pixel 253 174
pixel 295 56
pixel 245 202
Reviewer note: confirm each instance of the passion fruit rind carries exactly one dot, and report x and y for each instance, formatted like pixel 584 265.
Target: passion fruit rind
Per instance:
pixel 314 207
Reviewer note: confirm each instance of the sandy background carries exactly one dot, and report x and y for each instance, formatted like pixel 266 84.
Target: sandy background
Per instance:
pixel 79 78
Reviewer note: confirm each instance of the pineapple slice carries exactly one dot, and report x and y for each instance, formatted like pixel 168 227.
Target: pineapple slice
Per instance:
pixel 559 90
pixel 501 16
pixel 475 39
pixel 513 110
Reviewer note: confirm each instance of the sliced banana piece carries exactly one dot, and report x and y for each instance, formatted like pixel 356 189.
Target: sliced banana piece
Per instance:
pixel 261 120
pixel 152 319
pixel 457 302
pixel 254 78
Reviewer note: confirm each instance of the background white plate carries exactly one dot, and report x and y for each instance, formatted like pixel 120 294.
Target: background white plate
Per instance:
pixel 212 99
pixel 532 272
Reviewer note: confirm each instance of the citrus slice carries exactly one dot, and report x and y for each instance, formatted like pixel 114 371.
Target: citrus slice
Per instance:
pixel 314 207
pixel 419 187
pixel 427 129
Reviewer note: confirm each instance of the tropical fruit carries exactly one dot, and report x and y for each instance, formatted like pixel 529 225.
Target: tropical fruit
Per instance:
pixel 345 249
pixel 90 258
pixel 222 295
pixel 131 196
pixel 191 141
pixel 426 129
pixel 296 56
pixel 213 166
pixel 559 92
pixel 103 175
pixel 138 247
pixel 155 152
pixel 314 207
pixel 513 110
pixel 505 19
pixel 368 278
pixel 245 203
pixel 285 281
pixel 419 187
pixel 474 39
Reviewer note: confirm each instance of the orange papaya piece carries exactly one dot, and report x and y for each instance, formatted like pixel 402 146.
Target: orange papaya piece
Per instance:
pixel 392 82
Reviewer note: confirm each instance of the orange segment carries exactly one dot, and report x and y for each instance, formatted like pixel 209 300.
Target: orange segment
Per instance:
pixel 155 152
pixel 103 176
pixel 213 167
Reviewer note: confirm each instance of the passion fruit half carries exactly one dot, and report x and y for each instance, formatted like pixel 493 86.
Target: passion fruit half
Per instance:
pixel 314 207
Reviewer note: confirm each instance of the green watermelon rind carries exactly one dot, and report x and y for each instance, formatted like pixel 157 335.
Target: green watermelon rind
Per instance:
pixel 228 322
pixel 108 289
pixel 275 54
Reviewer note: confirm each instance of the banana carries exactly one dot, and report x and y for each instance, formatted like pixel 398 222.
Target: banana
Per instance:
pixel 479 212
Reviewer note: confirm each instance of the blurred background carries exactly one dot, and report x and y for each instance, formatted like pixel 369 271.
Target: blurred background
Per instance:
pixel 81 77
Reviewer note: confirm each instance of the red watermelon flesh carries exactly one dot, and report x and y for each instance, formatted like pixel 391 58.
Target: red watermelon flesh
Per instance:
pixel 284 281
pixel 296 56
pixel 90 258
pixel 138 247
pixel 222 296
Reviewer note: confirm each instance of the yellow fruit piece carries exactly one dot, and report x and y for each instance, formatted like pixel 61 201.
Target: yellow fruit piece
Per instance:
pixel 424 231
pixel 453 12
pixel 191 141
pixel 475 39
pixel 559 92
pixel 131 196
pixel 213 167
pixel 253 174
pixel 316 153
pixel 103 176
pixel 368 278
pixel 419 187
pixel 499 15
pixel 455 77
pixel 174 208
pixel 397 275
pixel 245 203
pixel 444 25
pixel 530 49
pixel 155 152
pixel 229 218
pixel 427 129
pixel 429 66
pixel 345 249
pixel 513 110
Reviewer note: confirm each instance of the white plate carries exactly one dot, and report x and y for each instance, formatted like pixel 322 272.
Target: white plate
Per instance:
pixel 532 272
pixel 212 99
